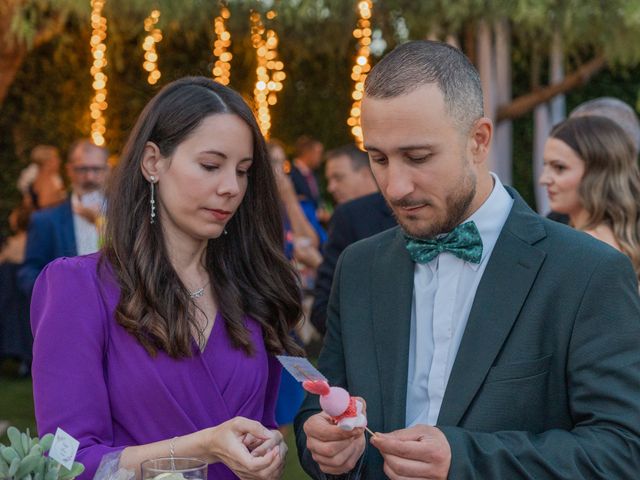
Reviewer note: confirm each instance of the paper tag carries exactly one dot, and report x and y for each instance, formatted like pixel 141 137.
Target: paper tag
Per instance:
pixel 300 368
pixel 64 448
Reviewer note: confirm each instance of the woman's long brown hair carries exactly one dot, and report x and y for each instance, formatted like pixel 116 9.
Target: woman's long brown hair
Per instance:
pixel 610 186
pixel 248 271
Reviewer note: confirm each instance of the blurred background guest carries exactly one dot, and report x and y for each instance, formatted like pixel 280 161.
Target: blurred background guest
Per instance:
pixel 71 228
pixel 15 332
pixel 301 247
pixel 308 157
pixel 613 109
pixel 348 174
pixel 47 189
pixel 591 174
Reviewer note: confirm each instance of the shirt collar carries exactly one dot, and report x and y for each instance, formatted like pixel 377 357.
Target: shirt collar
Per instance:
pixel 491 217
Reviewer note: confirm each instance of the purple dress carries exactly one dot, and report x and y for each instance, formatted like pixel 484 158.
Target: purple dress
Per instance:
pixel 95 381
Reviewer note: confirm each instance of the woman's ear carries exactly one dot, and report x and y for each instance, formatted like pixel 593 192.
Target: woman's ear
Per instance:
pixel 151 164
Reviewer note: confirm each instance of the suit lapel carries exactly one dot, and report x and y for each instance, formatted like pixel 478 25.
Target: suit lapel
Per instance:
pixel 68 230
pixel 505 284
pixel 392 294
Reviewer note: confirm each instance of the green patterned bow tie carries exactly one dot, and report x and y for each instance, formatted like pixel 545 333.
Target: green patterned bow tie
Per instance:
pixel 464 242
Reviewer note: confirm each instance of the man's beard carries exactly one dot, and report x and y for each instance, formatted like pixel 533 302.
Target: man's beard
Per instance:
pixel 89 187
pixel 457 205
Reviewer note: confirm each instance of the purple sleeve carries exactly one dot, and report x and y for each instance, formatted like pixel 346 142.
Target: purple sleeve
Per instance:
pixel 271 395
pixel 69 323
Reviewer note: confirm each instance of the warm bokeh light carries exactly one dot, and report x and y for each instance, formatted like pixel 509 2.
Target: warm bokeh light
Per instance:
pixel 222 66
pixel 361 67
pixel 269 74
pixel 98 51
pixel 154 35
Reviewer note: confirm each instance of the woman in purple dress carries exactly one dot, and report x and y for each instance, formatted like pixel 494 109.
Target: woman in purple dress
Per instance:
pixel 163 343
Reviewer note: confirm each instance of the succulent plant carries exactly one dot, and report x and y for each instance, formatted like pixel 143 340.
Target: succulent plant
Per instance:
pixel 24 459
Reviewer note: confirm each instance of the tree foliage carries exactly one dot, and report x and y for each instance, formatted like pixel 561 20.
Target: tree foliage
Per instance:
pixel 48 102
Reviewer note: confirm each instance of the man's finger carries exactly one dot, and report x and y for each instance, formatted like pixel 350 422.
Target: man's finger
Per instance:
pixel 321 427
pixel 328 449
pixel 407 468
pixel 401 448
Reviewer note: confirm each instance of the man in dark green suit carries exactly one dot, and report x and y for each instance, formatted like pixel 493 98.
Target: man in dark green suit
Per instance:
pixel 487 342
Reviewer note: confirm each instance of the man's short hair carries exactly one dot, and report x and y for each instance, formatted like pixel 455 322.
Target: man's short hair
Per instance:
pixel 616 110
pixel 85 145
pixel 305 143
pixel 423 62
pixel 359 159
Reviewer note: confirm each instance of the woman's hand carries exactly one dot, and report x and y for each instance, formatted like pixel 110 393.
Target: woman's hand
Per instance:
pixel 259 447
pixel 250 450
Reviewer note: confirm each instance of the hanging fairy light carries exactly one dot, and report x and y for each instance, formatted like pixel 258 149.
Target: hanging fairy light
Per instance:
pixel 269 70
pixel 362 33
pixel 222 67
pixel 149 46
pixel 99 53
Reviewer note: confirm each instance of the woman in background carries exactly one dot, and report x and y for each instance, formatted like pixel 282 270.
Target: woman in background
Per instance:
pixel 591 174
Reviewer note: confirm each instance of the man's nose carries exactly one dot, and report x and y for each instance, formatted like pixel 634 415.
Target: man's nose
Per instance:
pixel 399 181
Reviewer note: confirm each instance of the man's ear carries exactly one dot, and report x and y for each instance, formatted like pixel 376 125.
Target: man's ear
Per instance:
pixel 480 139
pixel 151 164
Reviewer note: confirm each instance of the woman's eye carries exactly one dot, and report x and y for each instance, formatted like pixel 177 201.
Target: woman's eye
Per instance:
pixel 243 173
pixel 209 168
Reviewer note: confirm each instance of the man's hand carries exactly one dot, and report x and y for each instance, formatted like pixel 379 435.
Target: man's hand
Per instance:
pixel 416 452
pixel 335 451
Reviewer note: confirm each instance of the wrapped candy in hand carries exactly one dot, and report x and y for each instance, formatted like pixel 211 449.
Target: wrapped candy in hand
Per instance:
pixel 346 411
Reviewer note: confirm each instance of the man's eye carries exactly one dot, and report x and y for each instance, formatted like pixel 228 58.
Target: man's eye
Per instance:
pixel 418 158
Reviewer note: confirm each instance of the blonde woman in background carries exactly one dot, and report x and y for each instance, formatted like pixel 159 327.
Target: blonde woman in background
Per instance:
pixel 591 174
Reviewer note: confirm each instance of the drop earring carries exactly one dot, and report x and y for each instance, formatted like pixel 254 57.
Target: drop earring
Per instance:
pixel 152 201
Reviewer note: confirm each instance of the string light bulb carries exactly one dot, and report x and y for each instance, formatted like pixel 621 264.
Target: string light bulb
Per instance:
pixel 149 46
pixel 361 66
pixel 269 70
pixel 222 67
pixel 99 52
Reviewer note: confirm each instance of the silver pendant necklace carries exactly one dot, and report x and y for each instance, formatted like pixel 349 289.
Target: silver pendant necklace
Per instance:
pixel 199 292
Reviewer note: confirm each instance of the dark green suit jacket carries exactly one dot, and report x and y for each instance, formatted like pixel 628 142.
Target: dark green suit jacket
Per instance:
pixel 546 383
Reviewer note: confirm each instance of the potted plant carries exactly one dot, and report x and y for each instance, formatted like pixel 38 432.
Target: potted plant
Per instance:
pixel 25 459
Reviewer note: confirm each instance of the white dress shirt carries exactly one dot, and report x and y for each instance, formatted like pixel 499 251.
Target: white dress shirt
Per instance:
pixel 443 293
pixel 86 233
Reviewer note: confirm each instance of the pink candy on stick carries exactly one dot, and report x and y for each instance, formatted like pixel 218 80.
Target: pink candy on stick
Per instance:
pixel 345 410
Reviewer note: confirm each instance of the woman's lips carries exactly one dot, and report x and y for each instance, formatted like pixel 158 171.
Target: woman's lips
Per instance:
pixel 219 214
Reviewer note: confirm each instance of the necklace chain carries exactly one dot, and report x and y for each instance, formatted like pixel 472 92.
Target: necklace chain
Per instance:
pixel 199 292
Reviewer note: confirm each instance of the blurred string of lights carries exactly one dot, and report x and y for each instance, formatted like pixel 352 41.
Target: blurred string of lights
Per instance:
pixel 269 70
pixel 149 46
pixel 99 53
pixel 222 67
pixel 362 33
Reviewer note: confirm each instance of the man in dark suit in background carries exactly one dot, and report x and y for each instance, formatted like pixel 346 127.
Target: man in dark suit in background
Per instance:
pixel 70 228
pixel 348 174
pixel 488 342
pixel 361 212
